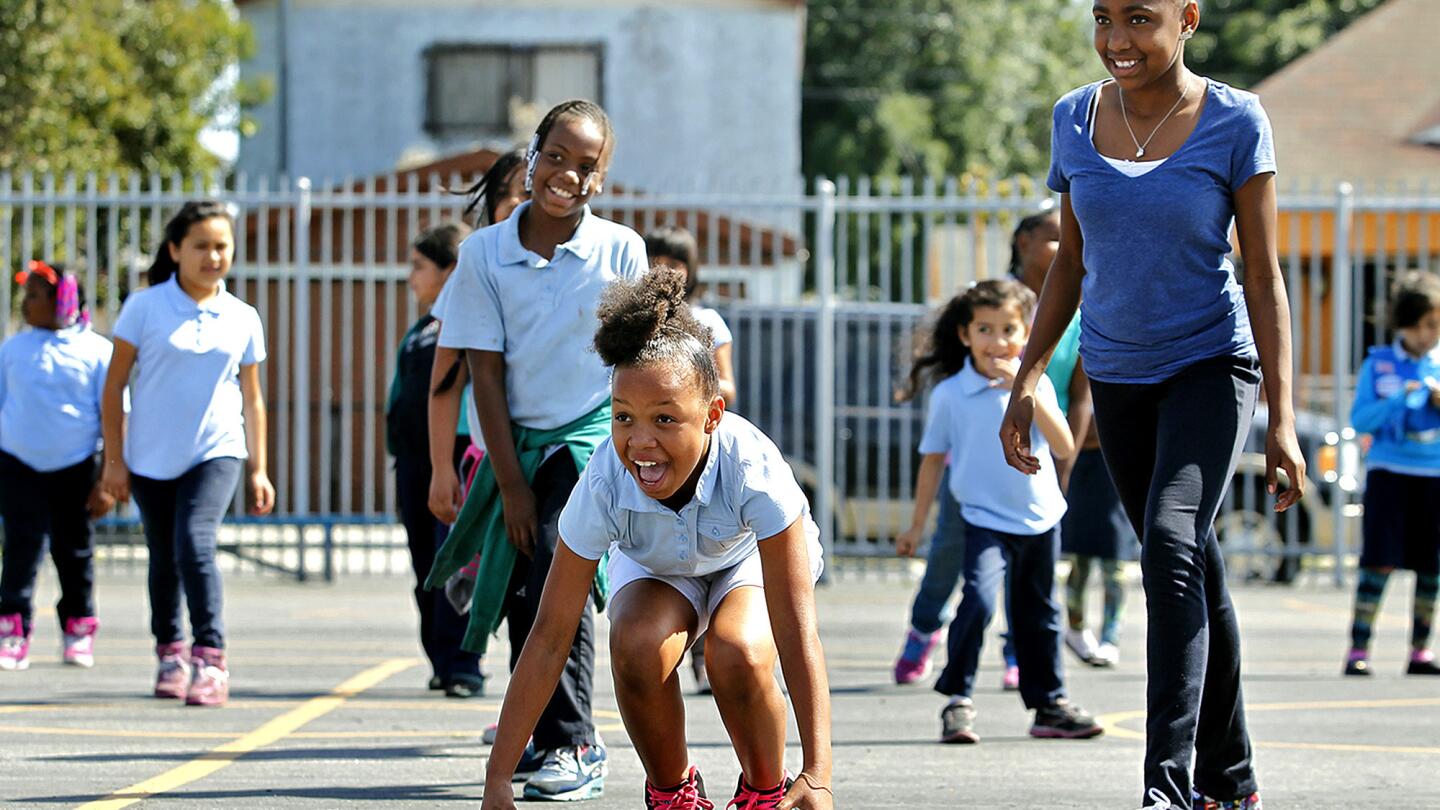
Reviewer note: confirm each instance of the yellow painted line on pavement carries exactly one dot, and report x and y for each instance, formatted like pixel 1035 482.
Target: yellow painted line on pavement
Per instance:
pixel 1113 728
pixel 272 731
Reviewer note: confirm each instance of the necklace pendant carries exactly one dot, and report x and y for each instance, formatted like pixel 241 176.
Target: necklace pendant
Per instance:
pixel 1139 153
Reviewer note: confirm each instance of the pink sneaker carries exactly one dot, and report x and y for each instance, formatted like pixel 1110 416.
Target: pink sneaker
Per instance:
pixel 80 641
pixel 14 644
pixel 210 685
pixel 688 795
pixel 1010 681
pixel 748 798
pixel 914 661
pixel 174 674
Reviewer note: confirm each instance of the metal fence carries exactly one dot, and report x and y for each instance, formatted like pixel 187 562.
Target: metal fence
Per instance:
pixel 824 289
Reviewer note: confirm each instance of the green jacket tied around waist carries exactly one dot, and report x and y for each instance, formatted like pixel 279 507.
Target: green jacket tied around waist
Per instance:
pixel 480 528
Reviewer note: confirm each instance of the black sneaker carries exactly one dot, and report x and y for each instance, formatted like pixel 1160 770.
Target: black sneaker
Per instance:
pixel 436 684
pixel 465 686
pixel 1064 721
pixel 1423 666
pixel 957 723
pixel 1357 666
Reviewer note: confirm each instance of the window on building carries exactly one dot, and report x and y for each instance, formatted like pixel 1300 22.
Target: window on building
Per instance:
pixel 472 89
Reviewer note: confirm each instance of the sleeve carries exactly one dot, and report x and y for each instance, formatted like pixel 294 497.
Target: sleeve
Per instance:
pixel 719 330
pixel 1254 151
pixel 1057 180
pixel 1371 412
pixel 255 347
pixel 437 309
pixel 936 438
pixel 130 325
pixel 4 370
pixel 479 322
pixel 633 260
pixel 770 497
pixel 105 350
pixel 587 523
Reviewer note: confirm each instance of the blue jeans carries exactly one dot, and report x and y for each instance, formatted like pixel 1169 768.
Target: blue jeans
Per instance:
pixel 182 525
pixel 944 565
pixel 1034 612
pixel 36 504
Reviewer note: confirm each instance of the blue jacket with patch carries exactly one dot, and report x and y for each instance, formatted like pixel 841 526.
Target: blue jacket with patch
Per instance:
pixel 1405 424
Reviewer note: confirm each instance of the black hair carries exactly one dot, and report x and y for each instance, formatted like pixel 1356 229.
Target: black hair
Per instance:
pixel 492 185
pixel 1416 293
pixel 647 322
pixel 674 242
pixel 441 245
pixel 190 213
pixel 1026 225
pixel 941 353
pixel 579 108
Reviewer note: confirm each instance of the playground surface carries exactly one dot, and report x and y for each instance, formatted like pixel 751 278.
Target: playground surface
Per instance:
pixel 329 708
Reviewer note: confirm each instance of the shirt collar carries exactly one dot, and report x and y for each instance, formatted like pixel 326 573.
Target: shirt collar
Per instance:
pixel 581 243
pixel 635 500
pixel 973 382
pixel 184 304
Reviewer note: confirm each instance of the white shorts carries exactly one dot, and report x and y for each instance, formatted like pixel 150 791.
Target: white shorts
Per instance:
pixel 704 593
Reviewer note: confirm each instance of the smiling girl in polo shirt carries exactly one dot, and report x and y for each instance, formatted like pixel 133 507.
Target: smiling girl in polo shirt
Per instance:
pixel 707 532
pixel 196 413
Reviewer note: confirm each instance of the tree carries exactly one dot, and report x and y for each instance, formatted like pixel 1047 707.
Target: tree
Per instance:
pixel 953 87
pixel 115 85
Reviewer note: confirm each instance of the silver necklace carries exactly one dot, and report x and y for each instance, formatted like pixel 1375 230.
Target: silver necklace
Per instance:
pixel 1140 147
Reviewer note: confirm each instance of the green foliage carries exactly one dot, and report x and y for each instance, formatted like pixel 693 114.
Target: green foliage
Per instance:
pixel 115 85
pixel 965 87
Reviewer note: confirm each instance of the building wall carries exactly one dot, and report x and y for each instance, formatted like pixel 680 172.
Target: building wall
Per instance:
pixel 702 94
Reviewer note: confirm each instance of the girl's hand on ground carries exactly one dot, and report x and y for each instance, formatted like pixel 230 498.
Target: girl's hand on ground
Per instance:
pixel 499 795
pixel 262 494
pixel 907 543
pixel 115 481
pixel 522 523
pixel 808 793
pixel 1015 432
pixel 99 503
pixel 446 495
pixel 1282 452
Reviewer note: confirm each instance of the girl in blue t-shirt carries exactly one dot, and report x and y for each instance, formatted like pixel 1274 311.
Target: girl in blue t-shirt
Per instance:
pixel 196 415
pixel 1011 522
pixel 1153 167
pixel 50 379
pixel 707 531
pixel 1397 402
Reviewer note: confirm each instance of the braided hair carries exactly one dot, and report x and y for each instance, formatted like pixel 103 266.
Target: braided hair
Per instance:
pixel 575 108
pixel 646 322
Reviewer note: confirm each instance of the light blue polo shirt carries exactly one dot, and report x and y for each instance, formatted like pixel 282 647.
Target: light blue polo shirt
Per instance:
pixel 50 386
pixel 964 421
pixel 185 403
pixel 746 493
pixel 540 313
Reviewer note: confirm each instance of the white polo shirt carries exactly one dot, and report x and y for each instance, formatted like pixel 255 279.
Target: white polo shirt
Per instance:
pixel 185 402
pixel 964 421
pixel 50 386
pixel 746 493
pixel 540 313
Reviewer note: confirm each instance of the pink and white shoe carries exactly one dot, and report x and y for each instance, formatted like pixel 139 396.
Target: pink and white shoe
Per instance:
pixel 210 683
pixel 14 644
pixel 80 641
pixel 914 661
pixel 173 676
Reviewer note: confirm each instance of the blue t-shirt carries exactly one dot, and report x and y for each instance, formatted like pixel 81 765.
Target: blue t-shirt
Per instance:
pixel 1404 424
pixel 1160 292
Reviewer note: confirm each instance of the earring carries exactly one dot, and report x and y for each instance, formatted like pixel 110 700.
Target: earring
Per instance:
pixel 1186 34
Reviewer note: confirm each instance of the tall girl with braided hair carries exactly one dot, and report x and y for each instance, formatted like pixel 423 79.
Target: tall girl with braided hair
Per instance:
pixel 1153 167
pixel 707 531
pixel 50 381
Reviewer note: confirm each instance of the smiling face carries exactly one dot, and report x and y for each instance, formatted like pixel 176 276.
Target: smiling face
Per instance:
pixel 661 428
pixel 571 167
pixel 204 255
pixel 995 334
pixel 1139 40
pixel 38 305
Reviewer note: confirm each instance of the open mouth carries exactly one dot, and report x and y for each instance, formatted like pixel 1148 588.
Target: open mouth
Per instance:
pixel 651 474
pixel 560 193
pixel 1124 67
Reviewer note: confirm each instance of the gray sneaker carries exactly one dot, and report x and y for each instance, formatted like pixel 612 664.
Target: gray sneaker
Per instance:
pixel 957 723
pixel 569 775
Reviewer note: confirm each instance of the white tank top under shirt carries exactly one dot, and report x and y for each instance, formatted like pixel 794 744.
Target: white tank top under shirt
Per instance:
pixel 1129 168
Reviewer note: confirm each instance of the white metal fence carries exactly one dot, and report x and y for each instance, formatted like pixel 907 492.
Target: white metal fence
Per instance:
pixel 823 289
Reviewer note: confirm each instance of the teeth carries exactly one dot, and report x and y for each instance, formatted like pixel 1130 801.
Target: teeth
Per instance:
pixel 645 463
pixel 561 193
pixel 1126 63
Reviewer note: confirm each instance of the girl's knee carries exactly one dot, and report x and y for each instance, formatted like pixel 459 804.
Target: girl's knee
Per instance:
pixel 737 661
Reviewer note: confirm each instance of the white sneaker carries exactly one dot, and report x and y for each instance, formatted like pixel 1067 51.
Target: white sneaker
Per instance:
pixel 1106 655
pixel 1082 643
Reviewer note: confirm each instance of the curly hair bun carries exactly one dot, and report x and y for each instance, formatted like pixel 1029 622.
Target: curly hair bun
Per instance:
pixel 634 313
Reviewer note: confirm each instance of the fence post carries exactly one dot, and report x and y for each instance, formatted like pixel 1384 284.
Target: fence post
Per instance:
pixel 1342 351
pixel 300 408
pixel 825 367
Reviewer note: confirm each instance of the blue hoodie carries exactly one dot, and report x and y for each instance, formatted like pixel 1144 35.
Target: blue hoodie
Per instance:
pixel 1405 425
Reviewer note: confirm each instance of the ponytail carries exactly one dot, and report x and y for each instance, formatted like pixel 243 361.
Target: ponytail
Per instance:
pixel 164 266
